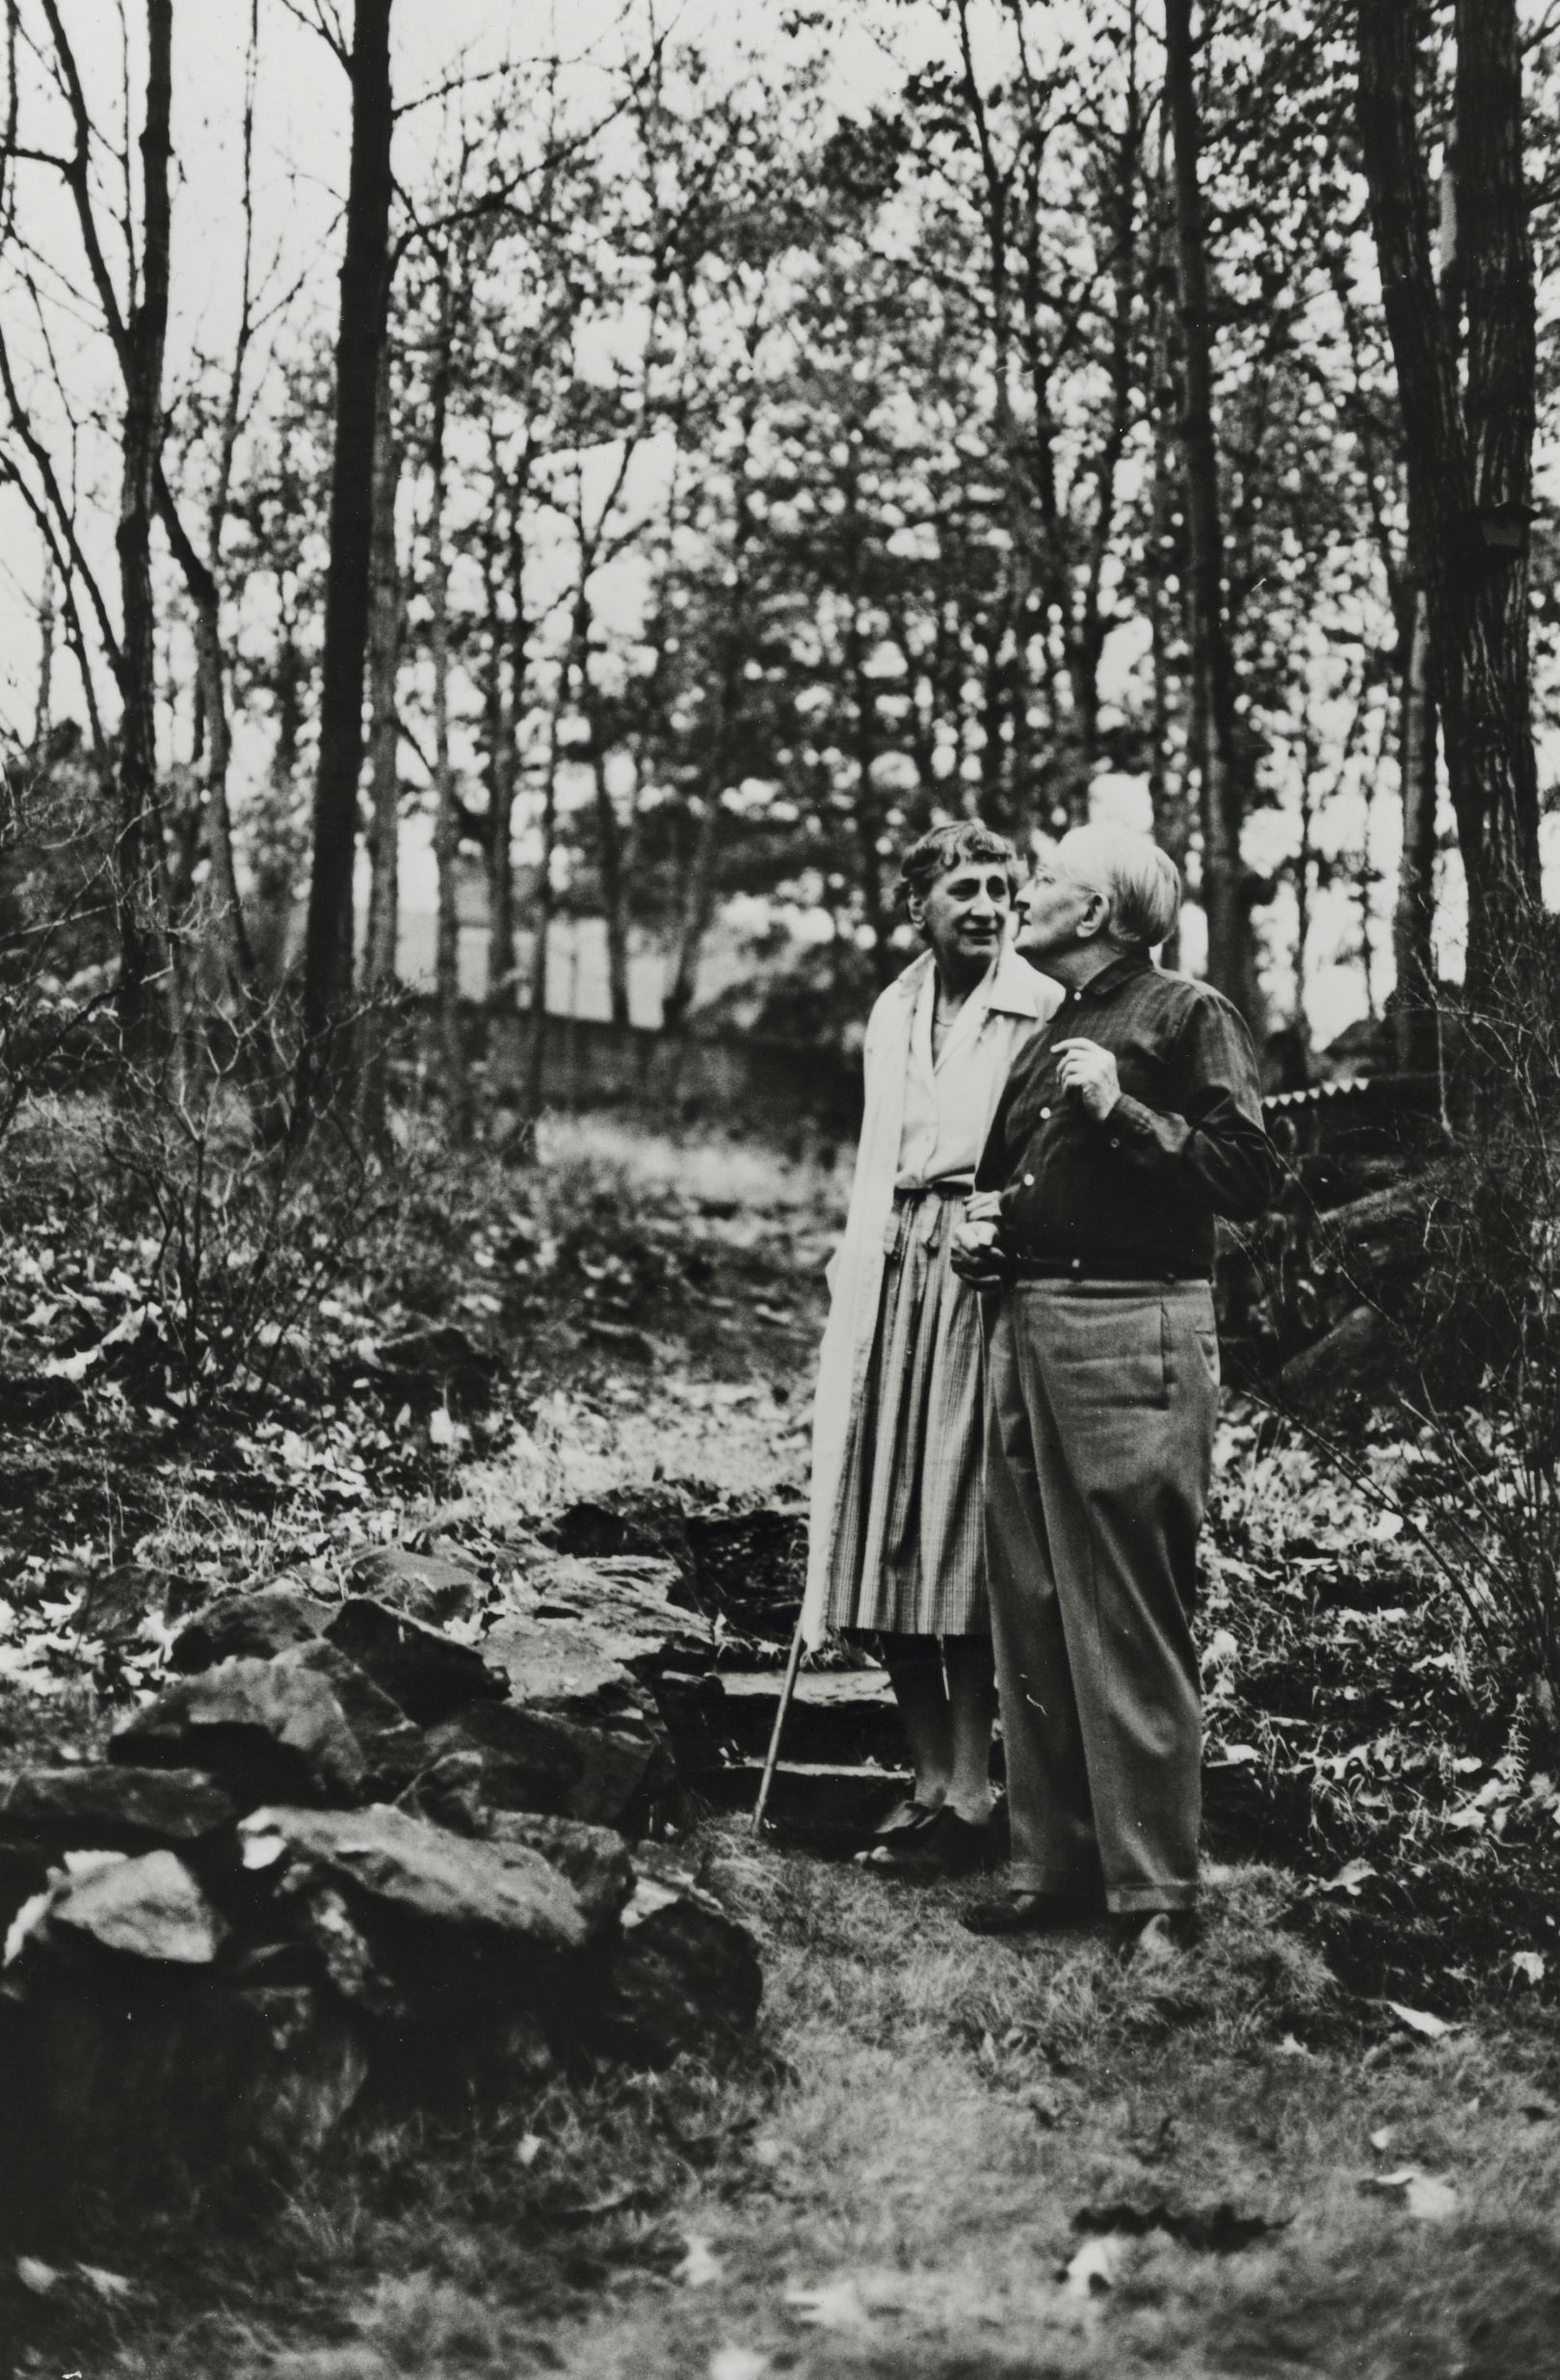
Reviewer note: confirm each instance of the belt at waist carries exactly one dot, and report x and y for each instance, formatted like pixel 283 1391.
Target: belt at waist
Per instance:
pixel 951 1187
pixel 1076 1268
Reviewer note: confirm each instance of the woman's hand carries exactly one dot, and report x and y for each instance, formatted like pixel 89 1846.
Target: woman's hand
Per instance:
pixel 975 1254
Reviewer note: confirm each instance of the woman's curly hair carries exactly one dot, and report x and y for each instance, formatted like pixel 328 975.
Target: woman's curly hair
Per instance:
pixel 952 846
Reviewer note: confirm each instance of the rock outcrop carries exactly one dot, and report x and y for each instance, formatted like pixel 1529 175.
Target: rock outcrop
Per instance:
pixel 370 1828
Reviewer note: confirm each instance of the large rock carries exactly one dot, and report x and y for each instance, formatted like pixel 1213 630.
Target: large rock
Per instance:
pixel 430 1675
pixel 101 1806
pixel 268 1730
pixel 393 1749
pixel 628 1603
pixel 147 2081
pixel 684 1973
pixel 116 1603
pixel 409 1920
pixel 531 1760
pixel 425 1586
pixel 147 1908
pixel 568 1666
pixel 252 1624
pixel 594 1858
pixel 627 1521
pixel 387 1857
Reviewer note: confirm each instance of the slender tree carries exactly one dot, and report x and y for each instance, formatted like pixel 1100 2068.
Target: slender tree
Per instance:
pixel 1224 890
pixel 1468 436
pixel 327 956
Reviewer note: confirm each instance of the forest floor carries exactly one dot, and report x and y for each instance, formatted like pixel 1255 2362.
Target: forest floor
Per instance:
pixel 1327 2140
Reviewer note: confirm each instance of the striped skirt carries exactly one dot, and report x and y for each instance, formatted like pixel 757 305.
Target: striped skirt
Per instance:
pixel 908 1550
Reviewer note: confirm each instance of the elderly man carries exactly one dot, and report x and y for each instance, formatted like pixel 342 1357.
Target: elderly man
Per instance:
pixel 1125 1129
pixel 895 1553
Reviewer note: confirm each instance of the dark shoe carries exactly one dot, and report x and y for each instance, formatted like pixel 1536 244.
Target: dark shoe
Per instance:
pixel 950 1846
pixel 907 1817
pixel 906 1823
pixel 1157 1937
pixel 1015 1911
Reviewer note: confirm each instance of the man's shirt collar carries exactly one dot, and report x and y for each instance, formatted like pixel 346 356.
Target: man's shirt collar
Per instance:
pixel 1120 971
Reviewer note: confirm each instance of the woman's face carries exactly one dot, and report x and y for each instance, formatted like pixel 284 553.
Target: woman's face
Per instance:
pixel 964 916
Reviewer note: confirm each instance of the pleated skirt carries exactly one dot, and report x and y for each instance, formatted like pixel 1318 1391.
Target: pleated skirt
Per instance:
pixel 908 1552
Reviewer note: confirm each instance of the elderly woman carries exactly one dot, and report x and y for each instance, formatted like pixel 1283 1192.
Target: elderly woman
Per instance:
pixel 895 1551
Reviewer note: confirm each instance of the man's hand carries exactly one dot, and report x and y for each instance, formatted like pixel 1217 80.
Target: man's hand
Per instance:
pixel 1088 1074
pixel 975 1256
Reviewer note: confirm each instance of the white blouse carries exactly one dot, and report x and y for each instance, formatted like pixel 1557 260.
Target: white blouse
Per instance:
pixel 948 1102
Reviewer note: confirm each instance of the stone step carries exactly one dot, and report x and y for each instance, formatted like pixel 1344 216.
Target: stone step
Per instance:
pixel 831 1807
pixel 839 1718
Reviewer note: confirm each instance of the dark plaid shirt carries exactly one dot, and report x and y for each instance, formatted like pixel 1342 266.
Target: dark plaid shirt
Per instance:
pixel 1136 1196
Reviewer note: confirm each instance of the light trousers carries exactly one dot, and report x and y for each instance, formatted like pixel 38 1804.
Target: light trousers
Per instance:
pixel 1099 1450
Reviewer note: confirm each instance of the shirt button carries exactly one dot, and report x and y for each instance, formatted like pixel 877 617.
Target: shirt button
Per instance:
pixel 1043 1113
pixel 1029 1181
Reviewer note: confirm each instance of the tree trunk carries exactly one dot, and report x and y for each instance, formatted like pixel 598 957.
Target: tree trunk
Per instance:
pixel 44 714
pixel 446 811
pixel 1416 1031
pixel 699 892
pixel 1470 451
pixel 536 1067
pixel 608 829
pixel 386 619
pixel 1230 965
pixel 501 703
pixel 139 855
pixel 360 341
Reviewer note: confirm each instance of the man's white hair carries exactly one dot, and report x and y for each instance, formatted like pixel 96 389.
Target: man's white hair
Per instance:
pixel 1140 881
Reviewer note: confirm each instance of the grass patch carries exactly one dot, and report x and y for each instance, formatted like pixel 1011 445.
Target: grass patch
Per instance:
pixel 892 2181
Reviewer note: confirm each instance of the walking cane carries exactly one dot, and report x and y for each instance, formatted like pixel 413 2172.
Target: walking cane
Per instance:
pixel 787 1690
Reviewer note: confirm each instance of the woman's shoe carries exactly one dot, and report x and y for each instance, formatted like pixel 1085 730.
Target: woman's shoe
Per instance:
pixel 907 1819
pixel 948 1846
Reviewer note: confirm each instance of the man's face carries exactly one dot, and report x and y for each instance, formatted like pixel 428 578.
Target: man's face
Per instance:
pixel 965 914
pixel 1054 911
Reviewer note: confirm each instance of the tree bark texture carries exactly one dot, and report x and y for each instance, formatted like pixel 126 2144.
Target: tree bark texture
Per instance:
pixel 386 621
pixel 1415 1028
pixel 698 889
pixel 138 857
pixel 1470 446
pixel 1229 958
pixel 446 803
pixel 359 340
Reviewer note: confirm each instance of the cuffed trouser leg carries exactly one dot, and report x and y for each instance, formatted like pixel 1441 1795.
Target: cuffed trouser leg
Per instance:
pixel 1103 1399
pixel 1047 1780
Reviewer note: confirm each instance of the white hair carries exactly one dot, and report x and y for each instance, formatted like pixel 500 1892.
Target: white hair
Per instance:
pixel 1140 882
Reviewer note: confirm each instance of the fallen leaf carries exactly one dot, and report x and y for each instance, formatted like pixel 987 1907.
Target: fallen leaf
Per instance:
pixel 1431 2199
pixel 111 2286
pixel 837 2307
pixel 1350 1878
pixel 1421 2021
pixel 1428 2197
pixel 700 2267
pixel 737 2364
pixel 1093 2268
